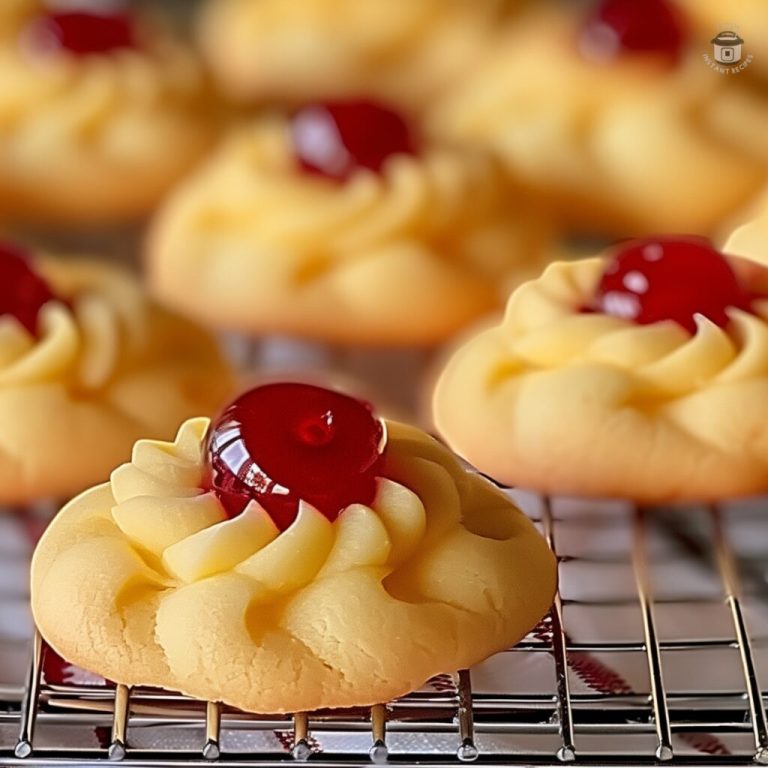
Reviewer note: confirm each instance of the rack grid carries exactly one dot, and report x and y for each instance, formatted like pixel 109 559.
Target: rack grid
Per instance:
pixel 612 676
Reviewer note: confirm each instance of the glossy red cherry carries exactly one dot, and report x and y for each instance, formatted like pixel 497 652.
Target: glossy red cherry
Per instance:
pixel 22 291
pixel 671 278
pixel 81 32
pixel 282 443
pixel 633 26
pixel 336 138
pixel 58 671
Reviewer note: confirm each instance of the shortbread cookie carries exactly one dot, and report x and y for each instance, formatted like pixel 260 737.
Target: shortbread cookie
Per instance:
pixel 100 113
pixel 298 554
pixel 343 224
pixel 642 374
pixel 291 51
pixel 87 365
pixel 614 119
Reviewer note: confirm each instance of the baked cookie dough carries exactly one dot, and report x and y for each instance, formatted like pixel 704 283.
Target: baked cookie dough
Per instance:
pixel 567 398
pixel 624 136
pixel 150 579
pixel 291 51
pixel 87 365
pixel 404 255
pixel 101 112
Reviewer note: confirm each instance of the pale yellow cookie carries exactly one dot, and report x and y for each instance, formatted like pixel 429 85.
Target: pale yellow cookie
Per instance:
pixel 627 146
pixel 292 51
pixel 750 238
pixel 106 367
pixel 95 138
pixel 404 257
pixel 568 402
pixel 145 581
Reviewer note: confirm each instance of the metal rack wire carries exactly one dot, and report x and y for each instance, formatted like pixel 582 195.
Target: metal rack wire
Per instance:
pixel 589 712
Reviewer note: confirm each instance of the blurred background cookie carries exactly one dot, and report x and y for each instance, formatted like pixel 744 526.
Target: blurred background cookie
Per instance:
pixel 101 111
pixel 87 363
pixel 608 114
pixel 292 51
pixel 343 223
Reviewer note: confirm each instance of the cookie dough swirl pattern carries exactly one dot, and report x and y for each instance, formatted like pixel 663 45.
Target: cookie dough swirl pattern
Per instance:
pixel 98 123
pixel 295 50
pixel 625 146
pixel 750 238
pixel 83 341
pixel 403 257
pixel 106 367
pixel 159 588
pixel 572 402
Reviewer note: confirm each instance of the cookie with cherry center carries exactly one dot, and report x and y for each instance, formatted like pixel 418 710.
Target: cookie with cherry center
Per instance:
pixel 641 373
pixel 88 363
pixel 345 226
pixel 298 552
pixel 621 127
pixel 91 100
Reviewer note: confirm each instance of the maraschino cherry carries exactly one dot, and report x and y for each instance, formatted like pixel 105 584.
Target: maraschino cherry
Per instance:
pixel 23 293
pixel 282 443
pixel 670 278
pixel 336 138
pixel 618 27
pixel 81 32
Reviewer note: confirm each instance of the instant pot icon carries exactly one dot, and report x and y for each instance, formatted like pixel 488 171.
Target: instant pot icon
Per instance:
pixel 727 47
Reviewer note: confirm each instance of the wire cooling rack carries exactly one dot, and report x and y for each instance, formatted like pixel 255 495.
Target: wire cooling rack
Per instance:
pixel 652 653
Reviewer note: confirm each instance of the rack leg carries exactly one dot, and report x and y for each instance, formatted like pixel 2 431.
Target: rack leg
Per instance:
pixel 379 752
pixel 567 751
pixel 664 750
pixel 467 750
pixel 730 578
pixel 31 699
pixel 117 748
pixel 212 750
pixel 301 749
